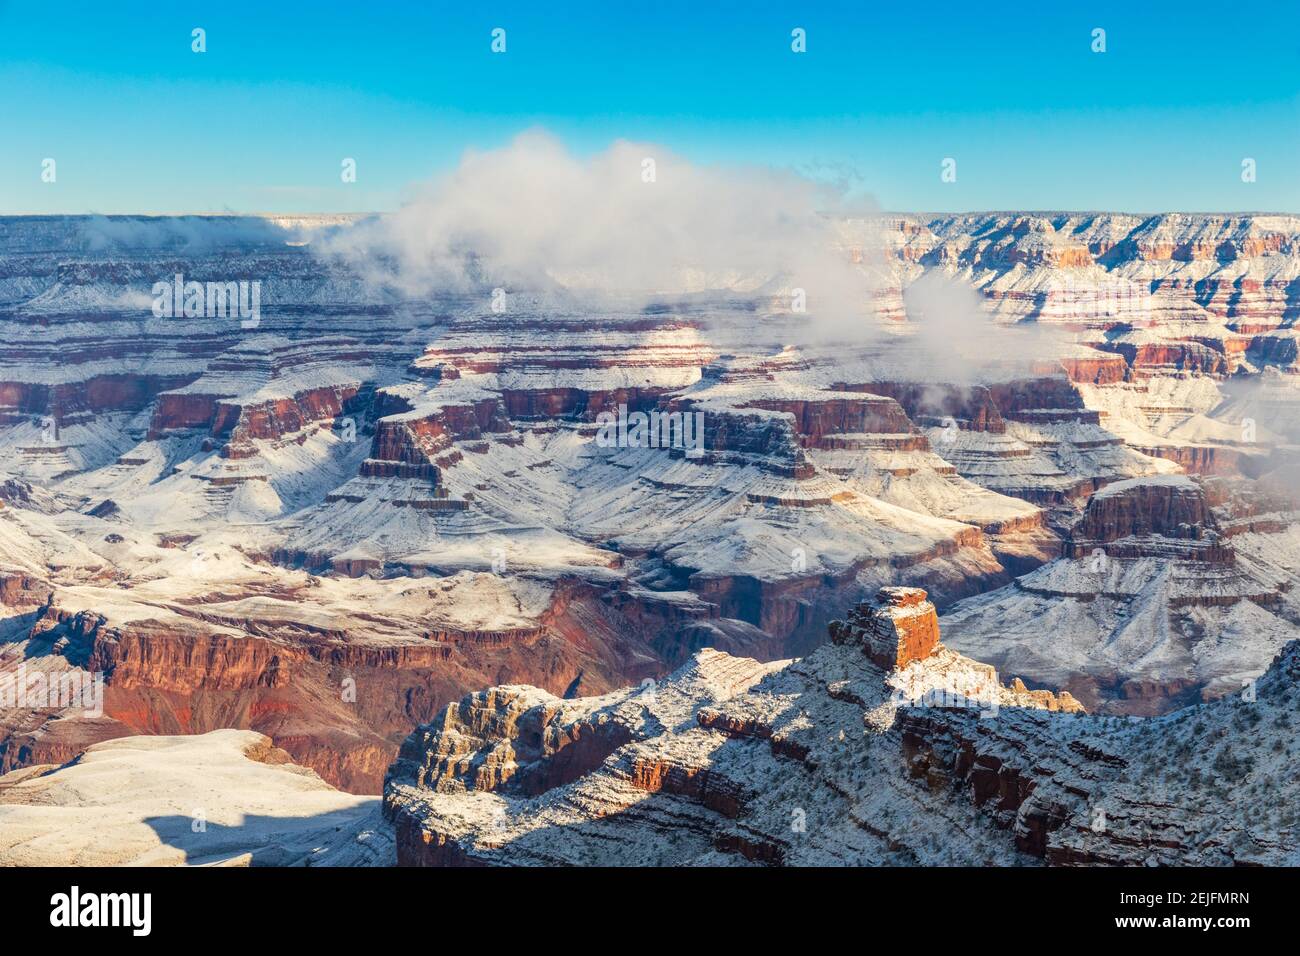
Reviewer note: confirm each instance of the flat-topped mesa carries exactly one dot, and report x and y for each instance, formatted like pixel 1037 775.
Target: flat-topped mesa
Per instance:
pixel 1150 516
pixel 765 439
pixel 816 418
pixel 268 388
pixel 972 407
pixel 896 627
pixel 548 364
pixel 415 438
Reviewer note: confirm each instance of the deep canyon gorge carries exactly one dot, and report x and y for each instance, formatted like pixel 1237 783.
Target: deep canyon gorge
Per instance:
pixel 378 537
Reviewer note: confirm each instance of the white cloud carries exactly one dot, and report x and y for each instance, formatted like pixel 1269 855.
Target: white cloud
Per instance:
pixel 955 339
pixel 533 215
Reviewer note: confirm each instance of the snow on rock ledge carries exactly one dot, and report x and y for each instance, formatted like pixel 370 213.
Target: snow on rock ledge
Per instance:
pixel 225 798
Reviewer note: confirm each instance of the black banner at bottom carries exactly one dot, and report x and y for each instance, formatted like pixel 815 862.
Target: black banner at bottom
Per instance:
pixel 328 906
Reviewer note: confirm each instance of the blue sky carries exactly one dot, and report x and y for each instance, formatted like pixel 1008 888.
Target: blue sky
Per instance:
pixel 136 122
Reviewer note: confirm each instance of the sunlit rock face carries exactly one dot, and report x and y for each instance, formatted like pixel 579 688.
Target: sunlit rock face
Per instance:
pixel 895 628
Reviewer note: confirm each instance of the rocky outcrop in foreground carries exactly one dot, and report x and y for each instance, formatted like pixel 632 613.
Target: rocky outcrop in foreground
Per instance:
pixel 828 760
pixel 832 759
pixel 837 760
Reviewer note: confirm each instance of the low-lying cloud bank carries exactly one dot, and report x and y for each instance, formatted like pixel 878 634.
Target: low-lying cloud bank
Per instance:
pixel 633 219
pixel 638 222
pixel 955 338
pixel 626 226
pixel 187 235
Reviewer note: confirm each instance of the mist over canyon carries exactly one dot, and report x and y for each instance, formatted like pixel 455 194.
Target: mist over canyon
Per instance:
pixel 381 535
